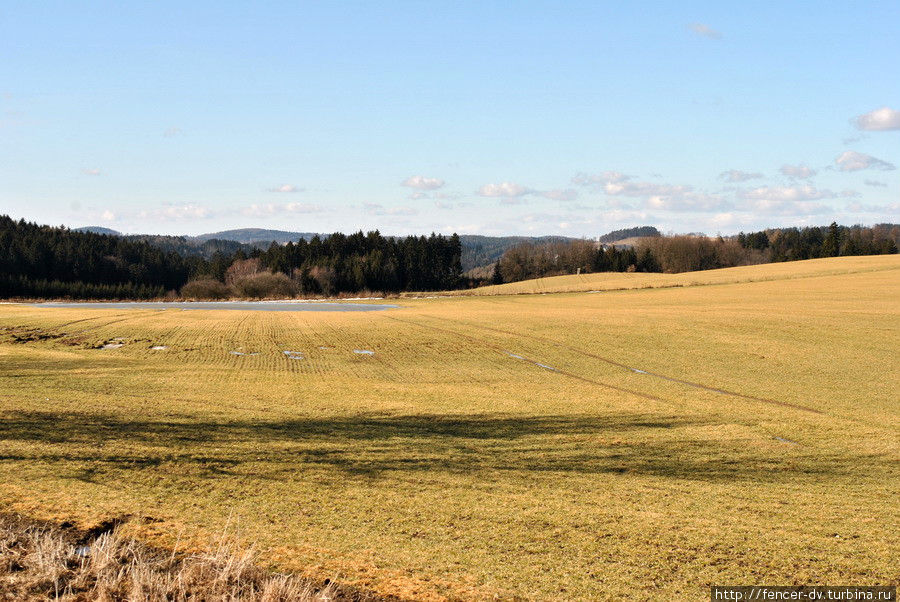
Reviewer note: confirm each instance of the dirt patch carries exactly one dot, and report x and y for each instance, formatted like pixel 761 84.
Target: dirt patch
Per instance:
pixel 22 335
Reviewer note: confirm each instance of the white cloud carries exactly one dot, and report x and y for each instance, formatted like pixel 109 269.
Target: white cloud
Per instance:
pixel 875 183
pixel 637 189
pixel 786 200
pixel 268 209
pixel 176 212
pixel 701 29
pixel 736 175
pixel 881 119
pixel 108 216
pixel 797 171
pixel 569 194
pixel 285 188
pixel 854 161
pixel 377 209
pixel 604 177
pixel 785 193
pixel 691 201
pixel 91 172
pixel 504 189
pixel 423 183
pixel 892 208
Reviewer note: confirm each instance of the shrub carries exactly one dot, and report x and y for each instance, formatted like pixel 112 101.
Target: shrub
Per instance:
pixel 265 285
pixel 205 288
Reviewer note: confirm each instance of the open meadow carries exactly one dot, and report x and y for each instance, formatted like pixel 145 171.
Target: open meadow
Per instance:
pixel 688 430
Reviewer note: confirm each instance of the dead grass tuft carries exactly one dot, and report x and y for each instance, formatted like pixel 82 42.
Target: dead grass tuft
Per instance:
pixel 41 562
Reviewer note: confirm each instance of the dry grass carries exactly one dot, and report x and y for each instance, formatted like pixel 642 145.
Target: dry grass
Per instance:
pixel 609 281
pixel 41 562
pixel 443 467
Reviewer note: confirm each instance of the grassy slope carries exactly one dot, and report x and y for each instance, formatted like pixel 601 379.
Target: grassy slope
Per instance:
pixel 443 466
pixel 606 281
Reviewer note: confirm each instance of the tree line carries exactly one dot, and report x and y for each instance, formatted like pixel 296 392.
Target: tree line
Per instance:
pixel 672 254
pixel 39 261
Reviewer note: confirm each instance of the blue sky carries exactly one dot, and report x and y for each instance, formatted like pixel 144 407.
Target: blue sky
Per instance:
pixel 477 117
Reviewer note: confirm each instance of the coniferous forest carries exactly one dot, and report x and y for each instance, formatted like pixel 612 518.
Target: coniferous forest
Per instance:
pixel 54 262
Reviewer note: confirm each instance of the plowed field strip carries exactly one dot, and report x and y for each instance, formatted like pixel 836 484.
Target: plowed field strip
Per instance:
pixel 636 370
pixel 500 349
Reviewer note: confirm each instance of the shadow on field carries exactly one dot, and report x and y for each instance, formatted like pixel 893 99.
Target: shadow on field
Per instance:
pixel 370 446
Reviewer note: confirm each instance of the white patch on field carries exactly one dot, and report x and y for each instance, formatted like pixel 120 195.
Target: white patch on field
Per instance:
pixel 159 348
pixel 363 352
pixel 294 355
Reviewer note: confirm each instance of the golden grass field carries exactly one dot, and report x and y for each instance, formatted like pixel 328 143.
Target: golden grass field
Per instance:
pixel 492 445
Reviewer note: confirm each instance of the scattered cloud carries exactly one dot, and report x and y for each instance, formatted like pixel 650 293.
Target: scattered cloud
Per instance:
pixel 875 183
pixel 268 209
pixel 798 171
pixel 416 196
pixel 736 175
pixel 108 216
pixel 91 172
pixel 377 209
pixel 504 189
pixel 854 161
pixel 705 31
pixel 569 194
pixel 785 193
pixel 423 183
pixel 604 177
pixel 891 208
pixel 690 201
pixel 639 189
pixel 176 212
pixel 172 132
pixel 285 188
pixel 879 120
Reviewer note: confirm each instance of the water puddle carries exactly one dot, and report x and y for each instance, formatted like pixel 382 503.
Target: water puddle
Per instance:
pixel 363 352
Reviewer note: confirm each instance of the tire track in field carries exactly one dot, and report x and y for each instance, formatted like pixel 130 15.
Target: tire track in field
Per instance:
pixel 500 349
pixel 612 362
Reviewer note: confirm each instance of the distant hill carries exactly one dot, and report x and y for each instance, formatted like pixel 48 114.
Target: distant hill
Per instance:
pixel 478 251
pixel 637 232
pixel 97 230
pixel 256 235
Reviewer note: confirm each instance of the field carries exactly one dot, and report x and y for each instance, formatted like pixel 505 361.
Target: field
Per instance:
pixel 730 427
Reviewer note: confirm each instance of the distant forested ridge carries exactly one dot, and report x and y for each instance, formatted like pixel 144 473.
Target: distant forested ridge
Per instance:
pixel 639 231
pixel 55 262
pixel 672 254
